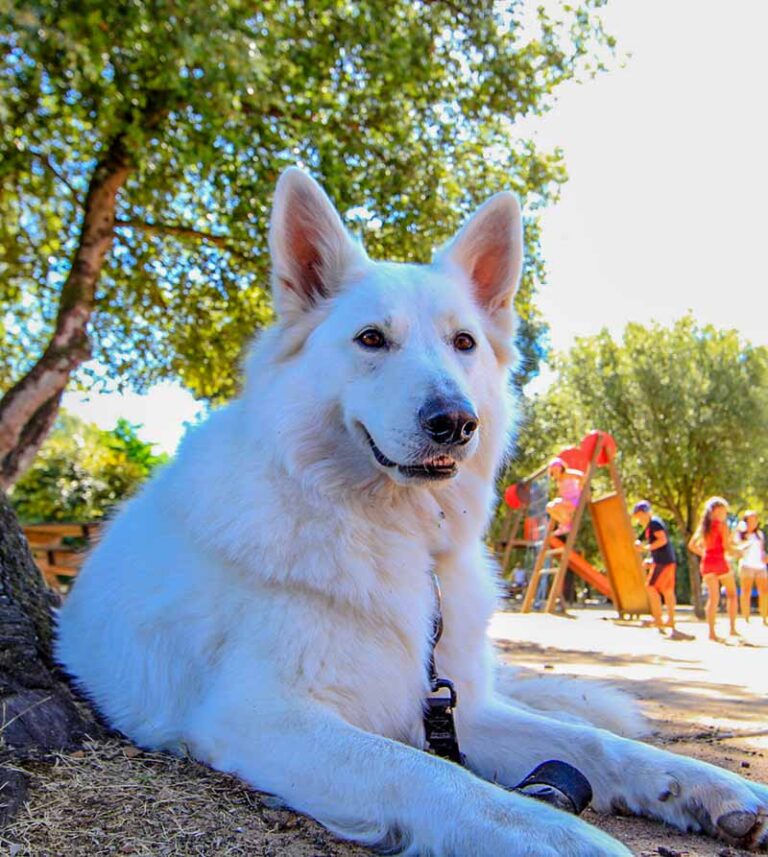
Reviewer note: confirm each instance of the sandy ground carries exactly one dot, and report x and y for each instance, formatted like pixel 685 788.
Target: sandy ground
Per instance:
pixel 703 699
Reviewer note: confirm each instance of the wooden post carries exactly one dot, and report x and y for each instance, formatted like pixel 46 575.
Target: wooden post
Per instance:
pixel 515 517
pixel 533 583
pixel 557 584
pixel 511 525
pixel 616 479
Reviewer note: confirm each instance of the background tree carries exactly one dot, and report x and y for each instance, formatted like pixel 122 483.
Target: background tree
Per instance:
pixel 82 471
pixel 141 141
pixel 687 404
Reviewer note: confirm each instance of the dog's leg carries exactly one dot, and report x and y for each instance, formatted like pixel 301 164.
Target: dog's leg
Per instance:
pixel 381 792
pixel 504 743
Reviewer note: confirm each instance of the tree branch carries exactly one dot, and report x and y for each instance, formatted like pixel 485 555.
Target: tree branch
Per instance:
pixel 456 8
pixel 28 408
pixel 186 232
pixel 48 164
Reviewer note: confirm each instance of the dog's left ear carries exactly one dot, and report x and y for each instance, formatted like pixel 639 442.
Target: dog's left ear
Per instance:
pixel 489 250
pixel 312 252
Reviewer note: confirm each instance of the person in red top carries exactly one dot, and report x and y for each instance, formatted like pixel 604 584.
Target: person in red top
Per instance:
pixel 712 542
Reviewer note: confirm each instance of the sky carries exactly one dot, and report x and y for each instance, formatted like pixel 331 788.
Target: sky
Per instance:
pixel 665 208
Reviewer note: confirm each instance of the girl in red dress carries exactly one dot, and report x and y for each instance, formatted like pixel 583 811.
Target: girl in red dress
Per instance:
pixel 712 542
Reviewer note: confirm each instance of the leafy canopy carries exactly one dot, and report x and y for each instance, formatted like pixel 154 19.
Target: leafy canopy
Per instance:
pixel 404 110
pixel 687 404
pixel 82 471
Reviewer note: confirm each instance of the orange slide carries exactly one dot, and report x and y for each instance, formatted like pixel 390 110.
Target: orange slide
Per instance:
pixel 586 572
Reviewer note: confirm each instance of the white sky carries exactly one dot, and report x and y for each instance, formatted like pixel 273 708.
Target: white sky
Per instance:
pixel 665 207
pixel 163 413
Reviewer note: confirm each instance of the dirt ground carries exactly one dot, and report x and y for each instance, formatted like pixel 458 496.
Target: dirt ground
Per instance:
pixel 703 699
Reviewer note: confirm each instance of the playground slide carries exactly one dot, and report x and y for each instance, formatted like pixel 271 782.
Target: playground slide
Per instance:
pixel 616 538
pixel 587 572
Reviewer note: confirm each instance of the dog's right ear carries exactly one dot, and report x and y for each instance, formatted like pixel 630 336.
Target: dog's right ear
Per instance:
pixel 311 250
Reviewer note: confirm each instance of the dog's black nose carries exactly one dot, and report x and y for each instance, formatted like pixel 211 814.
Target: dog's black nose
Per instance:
pixel 449 422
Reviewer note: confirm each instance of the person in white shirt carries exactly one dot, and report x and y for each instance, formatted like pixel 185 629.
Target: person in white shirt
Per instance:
pixel 752 568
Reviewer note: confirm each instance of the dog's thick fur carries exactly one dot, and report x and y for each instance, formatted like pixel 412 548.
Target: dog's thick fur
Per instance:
pixel 265 603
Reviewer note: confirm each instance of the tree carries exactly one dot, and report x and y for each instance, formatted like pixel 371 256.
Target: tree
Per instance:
pixel 38 712
pixel 687 404
pixel 141 142
pixel 82 472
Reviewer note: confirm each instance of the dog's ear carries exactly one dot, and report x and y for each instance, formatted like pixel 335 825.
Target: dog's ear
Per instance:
pixel 489 250
pixel 310 248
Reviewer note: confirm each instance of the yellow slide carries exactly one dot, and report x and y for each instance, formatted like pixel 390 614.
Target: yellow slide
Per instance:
pixel 616 539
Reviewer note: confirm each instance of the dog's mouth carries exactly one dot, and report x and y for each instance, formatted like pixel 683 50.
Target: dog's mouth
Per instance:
pixel 434 467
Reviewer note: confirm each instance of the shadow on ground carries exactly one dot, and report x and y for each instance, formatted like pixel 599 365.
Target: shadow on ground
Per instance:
pixel 707 698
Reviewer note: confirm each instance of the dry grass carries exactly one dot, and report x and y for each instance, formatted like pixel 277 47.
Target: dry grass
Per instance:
pixel 111 798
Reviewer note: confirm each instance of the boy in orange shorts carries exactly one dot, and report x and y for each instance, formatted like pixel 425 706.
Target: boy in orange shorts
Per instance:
pixel 661 577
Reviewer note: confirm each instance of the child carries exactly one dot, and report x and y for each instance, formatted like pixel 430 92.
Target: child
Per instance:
pixel 752 565
pixel 661 578
pixel 712 543
pixel 569 484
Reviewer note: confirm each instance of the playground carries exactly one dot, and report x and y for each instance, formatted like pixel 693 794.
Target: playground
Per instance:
pixel 542 535
pixel 586 532
pixel 276 406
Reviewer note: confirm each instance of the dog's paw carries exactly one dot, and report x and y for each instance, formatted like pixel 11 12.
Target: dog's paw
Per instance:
pixel 516 825
pixel 694 796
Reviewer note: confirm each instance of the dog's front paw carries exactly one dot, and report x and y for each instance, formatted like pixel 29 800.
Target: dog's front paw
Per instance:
pixel 511 824
pixel 695 796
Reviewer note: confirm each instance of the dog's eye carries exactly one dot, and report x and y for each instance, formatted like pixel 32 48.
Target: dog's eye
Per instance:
pixel 371 338
pixel 463 342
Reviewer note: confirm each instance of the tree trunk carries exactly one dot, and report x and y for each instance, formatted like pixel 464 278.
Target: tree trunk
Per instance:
pixel 694 576
pixel 38 712
pixel 29 408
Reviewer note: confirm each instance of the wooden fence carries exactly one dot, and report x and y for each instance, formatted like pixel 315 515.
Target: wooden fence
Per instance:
pixel 59 549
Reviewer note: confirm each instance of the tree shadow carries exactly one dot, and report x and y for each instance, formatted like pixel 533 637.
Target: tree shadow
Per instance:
pixel 697 697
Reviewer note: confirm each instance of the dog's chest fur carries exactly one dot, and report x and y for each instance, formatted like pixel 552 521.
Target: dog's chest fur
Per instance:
pixel 365 634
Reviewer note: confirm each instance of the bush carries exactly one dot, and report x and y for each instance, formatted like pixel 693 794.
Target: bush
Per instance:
pixel 83 471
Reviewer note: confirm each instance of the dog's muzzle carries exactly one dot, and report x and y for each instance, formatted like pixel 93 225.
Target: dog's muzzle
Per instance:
pixel 434 467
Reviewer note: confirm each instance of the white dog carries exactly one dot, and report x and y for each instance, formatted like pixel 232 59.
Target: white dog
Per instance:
pixel 266 603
